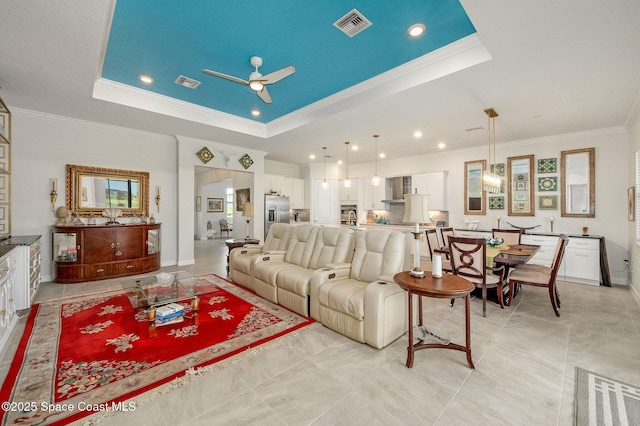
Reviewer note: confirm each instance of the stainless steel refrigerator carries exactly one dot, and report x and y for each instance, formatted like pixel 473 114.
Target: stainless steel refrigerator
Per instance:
pixel 276 210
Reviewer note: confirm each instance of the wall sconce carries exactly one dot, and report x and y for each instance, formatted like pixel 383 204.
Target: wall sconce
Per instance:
pixel 158 198
pixel 54 193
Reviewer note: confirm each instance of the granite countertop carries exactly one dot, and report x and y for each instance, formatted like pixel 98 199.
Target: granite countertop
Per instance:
pixel 547 234
pixel 21 240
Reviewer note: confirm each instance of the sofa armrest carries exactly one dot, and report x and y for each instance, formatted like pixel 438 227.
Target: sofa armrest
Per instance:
pixel 385 307
pixel 319 277
pixel 270 257
pixel 275 252
pixel 339 266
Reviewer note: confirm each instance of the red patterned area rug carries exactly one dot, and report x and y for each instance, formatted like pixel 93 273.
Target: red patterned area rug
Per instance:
pixel 91 353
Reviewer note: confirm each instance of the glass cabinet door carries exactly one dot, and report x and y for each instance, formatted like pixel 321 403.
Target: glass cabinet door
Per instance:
pixel 153 241
pixel 65 247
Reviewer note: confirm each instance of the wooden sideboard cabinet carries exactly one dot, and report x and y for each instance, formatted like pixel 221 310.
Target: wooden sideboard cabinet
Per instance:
pixel 89 253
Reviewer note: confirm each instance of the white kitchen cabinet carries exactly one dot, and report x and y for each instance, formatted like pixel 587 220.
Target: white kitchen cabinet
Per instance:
pixel 350 195
pixel 544 256
pixel 324 210
pixel 273 183
pixel 373 195
pixel 294 189
pixel 8 316
pixel 435 185
pixel 471 234
pixel 582 261
pixel 28 260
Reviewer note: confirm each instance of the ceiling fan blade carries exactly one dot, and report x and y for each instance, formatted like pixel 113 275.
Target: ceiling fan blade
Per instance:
pixel 279 75
pixel 225 76
pixel 264 95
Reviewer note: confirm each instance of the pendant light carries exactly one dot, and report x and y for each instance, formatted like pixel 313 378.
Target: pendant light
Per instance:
pixel 376 179
pixel 325 185
pixel 347 182
pixel 490 180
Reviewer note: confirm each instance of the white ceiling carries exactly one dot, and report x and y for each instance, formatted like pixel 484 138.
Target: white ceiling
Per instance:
pixel 557 67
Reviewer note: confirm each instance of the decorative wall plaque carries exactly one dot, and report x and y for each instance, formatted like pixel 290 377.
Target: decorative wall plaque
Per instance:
pixel 246 161
pixel 204 155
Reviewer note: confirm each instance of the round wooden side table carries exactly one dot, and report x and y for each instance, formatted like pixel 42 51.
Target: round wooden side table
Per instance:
pixel 238 242
pixel 447 287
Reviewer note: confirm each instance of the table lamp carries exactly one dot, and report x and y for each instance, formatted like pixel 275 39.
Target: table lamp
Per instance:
pixel 247 212
pixel 416 210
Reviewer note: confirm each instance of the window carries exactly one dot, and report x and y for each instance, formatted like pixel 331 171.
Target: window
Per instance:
pixel 229 203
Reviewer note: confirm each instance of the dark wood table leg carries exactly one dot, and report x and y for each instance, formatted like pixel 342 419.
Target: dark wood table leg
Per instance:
pixel 410 345
pixel 467 314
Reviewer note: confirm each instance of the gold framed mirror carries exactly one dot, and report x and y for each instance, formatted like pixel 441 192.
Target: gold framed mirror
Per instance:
pixel 578 183
pixel 91 190
pixel 474 194
pixel 521 190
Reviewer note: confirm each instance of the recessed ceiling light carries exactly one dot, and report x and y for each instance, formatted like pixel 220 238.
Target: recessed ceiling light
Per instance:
pixel 354 147
pixel 382 155
pixel 417 134
pixel 255 112
pixel 339 161
pixel 312 156
pixel 416 30
pixel 146 79
pixel 441 145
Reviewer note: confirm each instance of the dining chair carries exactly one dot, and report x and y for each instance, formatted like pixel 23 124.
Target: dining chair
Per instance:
pixel 432 241
pixel 511 237
pixel 540 275
pixel 225 227
pixel 468 260
pixel 444 234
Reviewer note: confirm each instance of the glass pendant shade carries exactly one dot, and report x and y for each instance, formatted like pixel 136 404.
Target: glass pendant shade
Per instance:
pixel 325 184
pixel 376 179
pixel 490 181
pixel 347 181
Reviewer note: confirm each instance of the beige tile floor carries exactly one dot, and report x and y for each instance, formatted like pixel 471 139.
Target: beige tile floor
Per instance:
pixel 525 361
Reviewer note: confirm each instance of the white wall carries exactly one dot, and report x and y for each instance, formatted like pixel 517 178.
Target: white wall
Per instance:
pixel 634 250
pixel 611 176
pixel 43 144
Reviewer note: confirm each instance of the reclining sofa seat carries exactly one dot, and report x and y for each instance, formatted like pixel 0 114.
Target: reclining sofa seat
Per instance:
pixel 332 245
pixel 361 300
pixel 242 259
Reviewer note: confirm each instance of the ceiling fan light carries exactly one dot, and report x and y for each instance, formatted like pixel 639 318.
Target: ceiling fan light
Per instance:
pixel 256 85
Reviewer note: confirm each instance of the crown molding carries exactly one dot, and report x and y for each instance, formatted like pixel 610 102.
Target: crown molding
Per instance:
pixel 122 94
pixel 88 124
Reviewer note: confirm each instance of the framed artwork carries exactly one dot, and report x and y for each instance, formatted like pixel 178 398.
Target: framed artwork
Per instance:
pixel 631 203
pixel 548 202
pixel 520 186
pixel 198 203
pixel 215 205
pixel 549 183
pixel 521 196
pixel 497 169
pixel 548 165
pixel 496 203
pixel 246 161
pixel 242 196
pixel 204 155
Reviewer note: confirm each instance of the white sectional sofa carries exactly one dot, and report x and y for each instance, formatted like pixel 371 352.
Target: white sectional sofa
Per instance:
pixel 284 279
pixel 340 277
pixel 241 261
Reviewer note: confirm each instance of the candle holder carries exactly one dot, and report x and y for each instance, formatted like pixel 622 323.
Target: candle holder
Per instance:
pixel 54 194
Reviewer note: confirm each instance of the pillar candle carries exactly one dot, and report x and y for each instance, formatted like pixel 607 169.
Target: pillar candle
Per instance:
pixel 436 266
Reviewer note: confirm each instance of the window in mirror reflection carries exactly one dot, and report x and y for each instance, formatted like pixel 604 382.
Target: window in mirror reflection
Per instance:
pixel 109 192
pixel 578 181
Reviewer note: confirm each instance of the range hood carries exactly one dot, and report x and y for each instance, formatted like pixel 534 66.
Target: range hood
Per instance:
pixel 396 187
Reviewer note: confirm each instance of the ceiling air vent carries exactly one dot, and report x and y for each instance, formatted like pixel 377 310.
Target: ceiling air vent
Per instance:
pixel 352 23
pixel 187 82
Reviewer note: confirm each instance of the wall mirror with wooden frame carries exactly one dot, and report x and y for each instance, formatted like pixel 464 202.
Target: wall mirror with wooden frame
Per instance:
pixel 520 186
pixel 474 194
pixel 91 190
pixel 578 189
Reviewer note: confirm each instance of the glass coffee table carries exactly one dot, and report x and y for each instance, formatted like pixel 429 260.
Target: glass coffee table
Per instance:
pixel 146 293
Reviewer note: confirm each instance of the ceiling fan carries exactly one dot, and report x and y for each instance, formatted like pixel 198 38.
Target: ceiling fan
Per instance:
pixel 257 81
